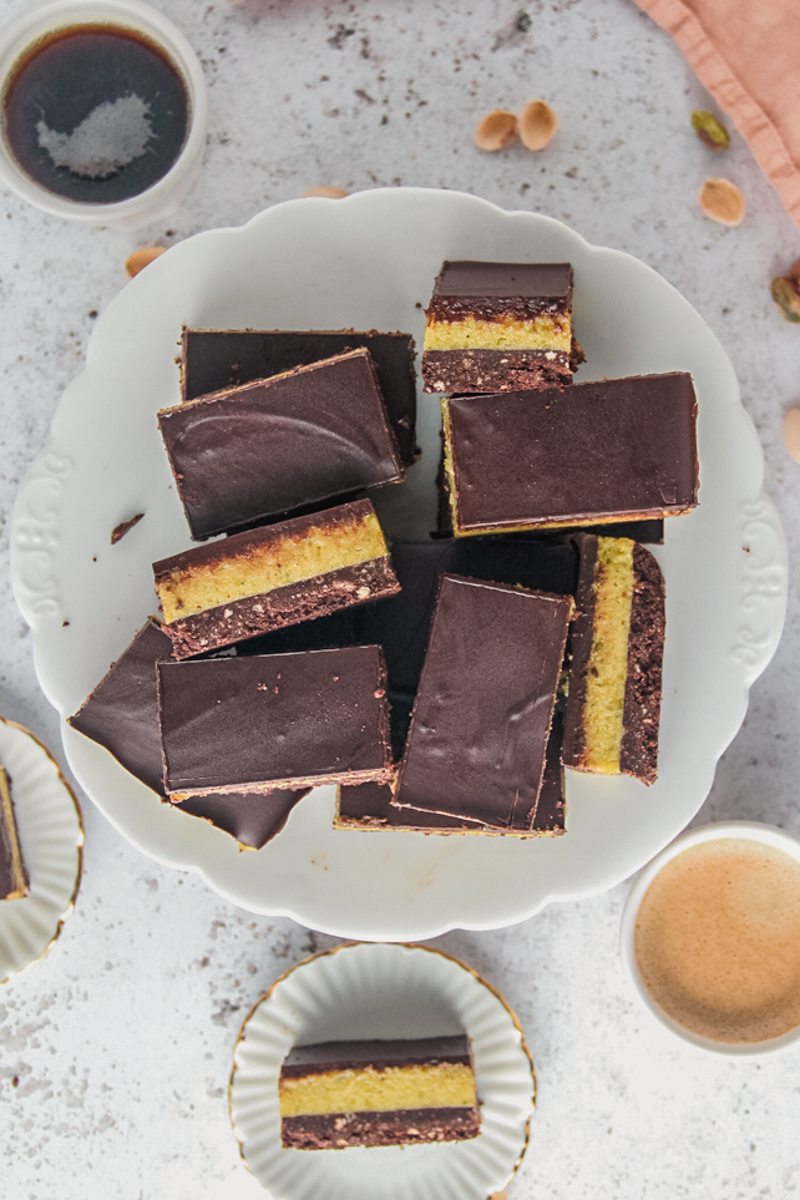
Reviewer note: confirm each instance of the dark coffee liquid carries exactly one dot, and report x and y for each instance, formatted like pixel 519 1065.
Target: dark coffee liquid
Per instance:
pixel 95 113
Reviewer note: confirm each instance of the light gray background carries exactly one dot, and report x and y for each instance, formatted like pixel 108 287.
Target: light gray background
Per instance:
pixel 120 1042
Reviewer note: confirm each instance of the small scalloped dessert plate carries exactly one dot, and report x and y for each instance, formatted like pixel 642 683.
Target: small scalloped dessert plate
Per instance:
pixel 369 261
pixel 383 991
pixel 51 838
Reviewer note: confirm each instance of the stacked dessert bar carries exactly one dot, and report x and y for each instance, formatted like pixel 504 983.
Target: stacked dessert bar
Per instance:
pixel 441 685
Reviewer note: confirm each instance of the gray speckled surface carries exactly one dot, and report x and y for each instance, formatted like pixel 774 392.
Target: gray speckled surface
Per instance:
pixel 114 1053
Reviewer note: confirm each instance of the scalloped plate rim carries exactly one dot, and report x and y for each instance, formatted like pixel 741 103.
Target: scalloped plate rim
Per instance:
pixel 754 478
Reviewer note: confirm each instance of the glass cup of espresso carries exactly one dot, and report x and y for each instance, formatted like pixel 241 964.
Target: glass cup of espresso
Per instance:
pixel 103 111
pixel 710 937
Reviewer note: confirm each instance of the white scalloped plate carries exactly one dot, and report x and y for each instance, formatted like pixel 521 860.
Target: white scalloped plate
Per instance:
pixel 370 261
pixel 383 991
pixel 51 839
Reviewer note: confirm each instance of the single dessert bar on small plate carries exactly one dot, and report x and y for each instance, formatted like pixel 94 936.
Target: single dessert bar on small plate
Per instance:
pixel 220 358
pixel 13 873
pixel 121 714
pixel 499 327
pixel 378 1093
pixel 260 449
pixel 609 451
pixel 614 688
pixel 252 724
pixel 263 579
pixel 481 723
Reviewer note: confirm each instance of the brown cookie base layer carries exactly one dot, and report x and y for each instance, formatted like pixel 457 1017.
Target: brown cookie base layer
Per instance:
pixel 404 1127
pixel 467 371
pixel 304 601
pixel 642 714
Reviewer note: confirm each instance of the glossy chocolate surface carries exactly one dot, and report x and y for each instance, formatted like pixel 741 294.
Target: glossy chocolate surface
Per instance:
pixel 275 445
pixel 489 289
pixel 239 724
pixel 481 721
pixel 616 448
pixel 401 624
pixel 376 1052
pixel 214 359
pixel 121 714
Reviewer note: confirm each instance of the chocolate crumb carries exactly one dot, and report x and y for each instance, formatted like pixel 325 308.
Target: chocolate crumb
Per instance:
pixel 119 531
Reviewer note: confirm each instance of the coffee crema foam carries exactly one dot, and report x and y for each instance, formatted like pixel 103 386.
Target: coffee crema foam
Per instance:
pixel 717 940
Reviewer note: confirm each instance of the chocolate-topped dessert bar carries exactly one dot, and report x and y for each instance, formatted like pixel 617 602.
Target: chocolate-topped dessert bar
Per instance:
pixel 121 714
pixel 378 1093
pixel 642 531
pixel 614 690
pixel 13 873
pixel 274 721
pixel 498 327
pixel 277 575
pixel 609 451
pixel 481 722
pixel 212 359
pixel 401 624
pixel 246 453
pixel 369 807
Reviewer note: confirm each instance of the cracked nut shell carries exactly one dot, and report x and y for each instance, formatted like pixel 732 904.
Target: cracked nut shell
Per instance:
pixel 723 201
pixel 496 130
pixel 538 123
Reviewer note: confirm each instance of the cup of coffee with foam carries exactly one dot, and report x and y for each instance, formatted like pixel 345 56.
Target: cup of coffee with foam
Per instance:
pixel 711 938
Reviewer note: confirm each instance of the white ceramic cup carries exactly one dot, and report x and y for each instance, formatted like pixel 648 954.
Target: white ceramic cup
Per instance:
pixel 162 196
pixel 751 831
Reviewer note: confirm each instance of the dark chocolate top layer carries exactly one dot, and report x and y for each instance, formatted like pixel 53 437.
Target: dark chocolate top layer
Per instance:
pixel 122 715
pixel 337 1056
pixel 122 712
pixel 617 447
pixel 274 445
pixel 487 289
pixel 482 716
pixel 214 359
pixel 402 624
pixel 249 720
pixel 252 818
pixel 370 804
pixel 248 539
pixel 580 648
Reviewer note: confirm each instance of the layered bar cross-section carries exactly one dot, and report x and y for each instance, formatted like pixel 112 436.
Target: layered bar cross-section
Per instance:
pixel 264 579
pixel 615 682
pixel 13 872
pixel 378 1093
pixel 497 327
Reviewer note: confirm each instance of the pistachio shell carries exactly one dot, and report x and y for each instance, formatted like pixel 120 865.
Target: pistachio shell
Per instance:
pixel 723 201
pixel 496 130
pixel 538 123
pixel 791 433
pixel 142 258
pixel 786 296
pixel 328 193
pixel 710 129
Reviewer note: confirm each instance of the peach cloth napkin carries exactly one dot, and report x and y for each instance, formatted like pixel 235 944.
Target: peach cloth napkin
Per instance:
pixel 747 53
